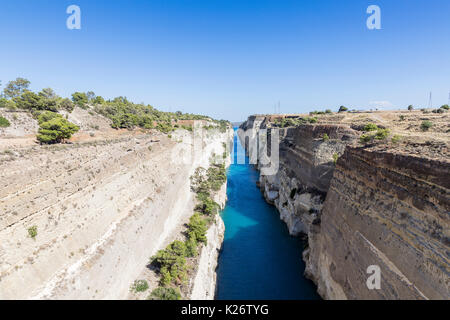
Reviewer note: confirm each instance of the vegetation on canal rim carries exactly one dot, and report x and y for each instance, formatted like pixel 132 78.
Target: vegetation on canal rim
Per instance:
pixel 139 286
pixel 370 127
pixel 162 293
pixel 335 158
pixel 122 112
pixel 426 125
pixel 293 122
pixel 203 182
pixel 379 134
pixel 4 122
pixel 53 128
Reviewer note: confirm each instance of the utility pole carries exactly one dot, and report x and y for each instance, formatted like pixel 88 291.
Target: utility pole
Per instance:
pixel 430 101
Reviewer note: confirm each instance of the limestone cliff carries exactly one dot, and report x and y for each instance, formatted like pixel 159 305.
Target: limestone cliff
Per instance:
pixel 374 206
pixel 205 280
pixel 100 209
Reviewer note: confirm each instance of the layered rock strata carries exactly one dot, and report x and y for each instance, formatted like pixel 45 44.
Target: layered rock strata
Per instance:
pixel 100 210
pixel 371 207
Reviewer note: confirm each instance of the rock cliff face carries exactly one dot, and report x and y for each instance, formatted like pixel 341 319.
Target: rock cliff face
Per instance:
pixel 204 283
pixel 205 280
pixel 100 208
pixel 371 207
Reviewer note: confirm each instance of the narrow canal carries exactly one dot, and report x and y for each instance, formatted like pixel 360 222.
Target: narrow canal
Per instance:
pixel 260 260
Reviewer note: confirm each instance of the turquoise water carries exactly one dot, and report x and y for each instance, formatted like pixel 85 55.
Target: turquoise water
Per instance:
pixel 259 259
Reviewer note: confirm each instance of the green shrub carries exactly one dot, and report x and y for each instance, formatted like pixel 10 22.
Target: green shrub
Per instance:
pixel 162 293
pixel 98 100
pixel 80 99
pixel 197 228
pixel 343 109
pixel 410 107
pixel 7 104
pixel 335 158
pixel 445 106
pixel 54 128
pixel 396 139
pixel 328 111
pixel 365 138
pixel 207 206
pixel 217 176
pixel 32 232
pixel 402 117
pixel 139 286
pixel 171 262
pixel 426 125
pixel 45 100
pixel 66 104
pixel 382 134
pixel 47 116
pixel 187 127
pixel 370 127
pixel 325 137
pixel 16 87
pixel 164 127
pixel 191 246
pixel 311 120
pixel 4 122
pixel 199 183
pixel 166 277
pixel 203 181
pixel 28 101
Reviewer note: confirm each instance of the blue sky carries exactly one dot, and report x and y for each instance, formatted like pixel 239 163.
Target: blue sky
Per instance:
pixel 233 58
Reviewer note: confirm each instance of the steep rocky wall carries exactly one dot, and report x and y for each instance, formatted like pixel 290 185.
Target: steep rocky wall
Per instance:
pixel 371 208
pixel 101 210
pixel 305 169
pixel 205 280
pixel 388 210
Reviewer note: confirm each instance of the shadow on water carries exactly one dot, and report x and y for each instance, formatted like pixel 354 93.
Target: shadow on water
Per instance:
pixel 259 260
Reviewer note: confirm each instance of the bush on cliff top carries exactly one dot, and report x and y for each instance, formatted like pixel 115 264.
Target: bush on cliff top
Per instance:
pixel 171 262
pixel 4 122
pixel 335 158
pixel 197 228
pixel 382 134
pixel 54 128
pixel 426 125
pixel 121 112
pixel 162 293
pixel 32 232
pixel 370 127
pixel 203 182
pixel 139 286
pixel 217 176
